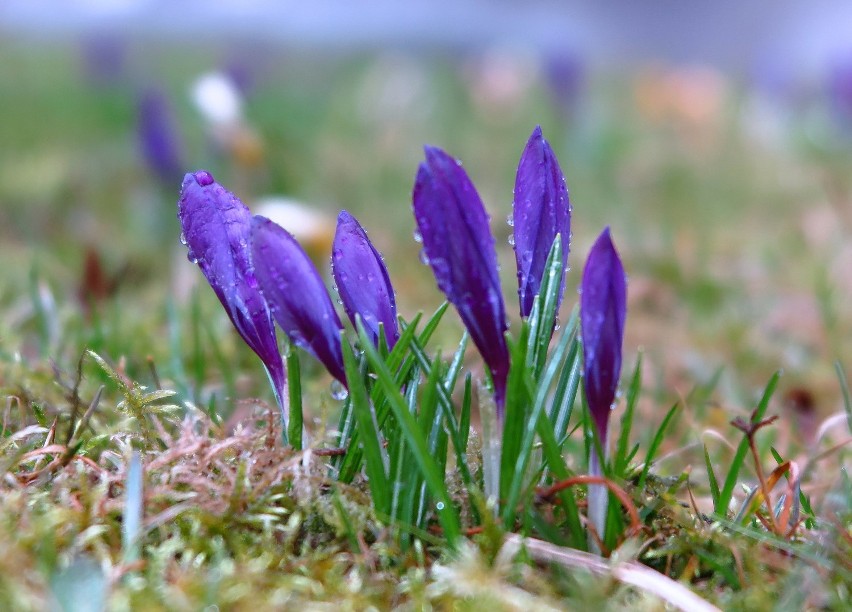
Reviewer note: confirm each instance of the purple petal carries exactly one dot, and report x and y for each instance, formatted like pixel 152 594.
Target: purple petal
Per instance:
pixel 362 279
pixel 216 228
pixel 541 211
pixel 159 140
pixel 296 294
pixel 460 248
pixel 603 308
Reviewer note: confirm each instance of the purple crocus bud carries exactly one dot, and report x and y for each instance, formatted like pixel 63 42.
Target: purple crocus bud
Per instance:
pixel 296 294
pixel 216 227
pixel 159 139
pixel 603 308
pixel 362 279
pixel 541 211
pixel 460 248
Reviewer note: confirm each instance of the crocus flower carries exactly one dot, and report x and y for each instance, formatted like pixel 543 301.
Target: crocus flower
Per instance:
pixel 159 140
pixel 362 279
pixel 216 228
pixel 541 210
pixel 296 294
pixel 460 248
pixel 603 308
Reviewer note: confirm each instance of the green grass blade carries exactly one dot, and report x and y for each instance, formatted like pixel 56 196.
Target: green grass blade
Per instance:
pixel 397 361
pixel 655 444
pixel 448 411
pixel 294 399
pixel 565 395
pixel 739 458
pixel 447 514
pixel 456 365
pixel 556 464
pixel 554 366
pixel 376 462
pixel 464 420
pixel 620 460
pixel 711 475
pixel 542 319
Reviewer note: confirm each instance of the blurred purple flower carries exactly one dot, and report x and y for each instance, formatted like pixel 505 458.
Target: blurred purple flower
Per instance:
pixel 296 294
pixel 541 210
pixel 565 73
pixel 603 308
pixel 840 89
pixel 362 279
pixel 104 58
pixel 460 248
pixel 216 227
pixel 159 140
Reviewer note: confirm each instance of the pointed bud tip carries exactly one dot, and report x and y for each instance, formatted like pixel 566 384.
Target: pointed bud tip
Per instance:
pixel 201 177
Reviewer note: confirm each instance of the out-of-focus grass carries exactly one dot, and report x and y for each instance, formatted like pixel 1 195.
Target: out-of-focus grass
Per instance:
pixel 736 243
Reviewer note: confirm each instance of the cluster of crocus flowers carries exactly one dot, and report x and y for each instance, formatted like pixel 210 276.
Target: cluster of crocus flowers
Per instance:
pixel 261 274
pixel 459 246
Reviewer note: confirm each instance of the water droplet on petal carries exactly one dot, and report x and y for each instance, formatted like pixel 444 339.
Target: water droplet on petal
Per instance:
pixel 424 259
pixel 204 178
pixel 182 238
pixel 418 237
pixel 510 220
pixel 338 391
pixel 511 240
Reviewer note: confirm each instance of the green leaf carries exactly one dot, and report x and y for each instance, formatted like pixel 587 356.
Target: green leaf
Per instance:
pixel 376 462
pixel 542 317
pixel 555 365
pixel 739 458
pixel 294 399
pixel 655 444
pixel 620 461
pixel 447 514
pixel 711 475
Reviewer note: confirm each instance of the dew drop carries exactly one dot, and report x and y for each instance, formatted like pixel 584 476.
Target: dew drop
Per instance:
pixel 183 238
pixel 510 220
pixel 204 178
pixel 557 325
pixel 511 240
pixel 439 506
pixel 338 391
pixel 418 237
pixel 424 259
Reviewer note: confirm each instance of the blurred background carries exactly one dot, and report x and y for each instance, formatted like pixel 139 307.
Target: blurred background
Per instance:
pixel 715 139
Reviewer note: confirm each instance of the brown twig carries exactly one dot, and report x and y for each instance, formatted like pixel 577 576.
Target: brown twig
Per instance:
pixel 621 494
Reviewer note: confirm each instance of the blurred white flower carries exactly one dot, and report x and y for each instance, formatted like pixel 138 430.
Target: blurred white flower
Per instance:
pixel 217 98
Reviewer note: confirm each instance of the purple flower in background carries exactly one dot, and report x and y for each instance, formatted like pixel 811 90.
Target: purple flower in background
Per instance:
pixel 296 294
pixel 603 308
pixel 565 72
pixel 839 84
pixel 362 279
pixel 541 210
pixel 460 248
pixel 216 227
pixel 159 140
